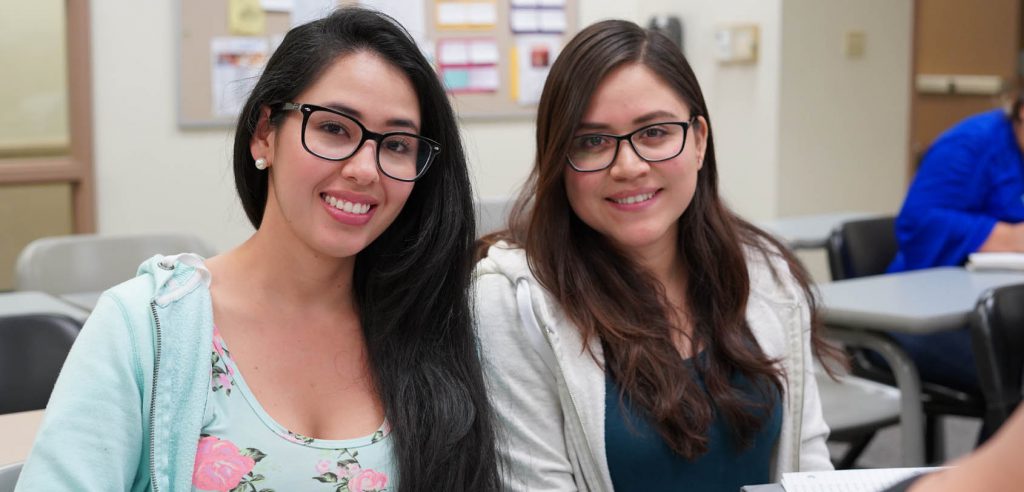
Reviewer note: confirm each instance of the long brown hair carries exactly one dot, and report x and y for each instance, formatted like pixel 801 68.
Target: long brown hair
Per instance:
pixel 607 295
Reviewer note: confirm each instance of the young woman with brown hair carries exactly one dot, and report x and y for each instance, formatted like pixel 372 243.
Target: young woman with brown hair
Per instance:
pixel 637 334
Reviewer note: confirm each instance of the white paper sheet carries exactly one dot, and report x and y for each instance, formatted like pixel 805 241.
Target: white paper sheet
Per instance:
pixel 874 480
pixel 236 63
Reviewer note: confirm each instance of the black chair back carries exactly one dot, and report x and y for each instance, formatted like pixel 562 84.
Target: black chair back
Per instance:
pixel 997 338
pixel 862 247
pixel 32 351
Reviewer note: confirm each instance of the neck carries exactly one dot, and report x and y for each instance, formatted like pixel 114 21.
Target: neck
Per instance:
pixel 280 268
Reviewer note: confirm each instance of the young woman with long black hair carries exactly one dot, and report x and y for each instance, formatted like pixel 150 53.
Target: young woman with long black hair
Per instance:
pixel 347 311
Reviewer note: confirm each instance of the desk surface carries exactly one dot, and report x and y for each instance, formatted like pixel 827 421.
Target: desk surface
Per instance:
pixel 809 231
pixel 920 301
pixel 19 431
pixel 30 302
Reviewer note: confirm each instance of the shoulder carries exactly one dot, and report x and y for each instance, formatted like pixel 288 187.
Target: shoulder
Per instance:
pixel 988 133
pixel 505 260
pixel 770 276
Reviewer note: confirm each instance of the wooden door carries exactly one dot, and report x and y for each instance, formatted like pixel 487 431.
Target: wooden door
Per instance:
pixel 957 37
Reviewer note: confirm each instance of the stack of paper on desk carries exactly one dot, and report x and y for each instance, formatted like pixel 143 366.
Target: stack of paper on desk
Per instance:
pixel 995 261
pixel 875 480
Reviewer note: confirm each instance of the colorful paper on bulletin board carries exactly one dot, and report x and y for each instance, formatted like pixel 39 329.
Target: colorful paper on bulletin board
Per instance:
pixel 524 20
pixel 533 57
pixel 236 65
pixel 246 18
pixel 469 64
pixel 478 15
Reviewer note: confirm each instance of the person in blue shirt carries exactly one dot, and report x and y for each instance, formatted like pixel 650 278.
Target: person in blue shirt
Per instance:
pixel 967 196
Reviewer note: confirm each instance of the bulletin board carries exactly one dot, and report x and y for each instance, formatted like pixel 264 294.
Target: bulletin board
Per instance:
pixel 492 55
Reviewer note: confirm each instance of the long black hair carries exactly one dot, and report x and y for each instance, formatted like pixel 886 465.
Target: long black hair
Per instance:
pixel 411 283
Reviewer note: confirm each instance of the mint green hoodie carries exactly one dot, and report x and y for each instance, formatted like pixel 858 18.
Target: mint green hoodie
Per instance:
pixel 128 406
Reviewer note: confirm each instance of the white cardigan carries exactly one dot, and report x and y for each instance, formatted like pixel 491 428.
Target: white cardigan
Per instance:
pixel 548 392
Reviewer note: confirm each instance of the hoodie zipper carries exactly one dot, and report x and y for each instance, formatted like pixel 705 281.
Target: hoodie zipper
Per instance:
pixel 575 407
pixel 152 403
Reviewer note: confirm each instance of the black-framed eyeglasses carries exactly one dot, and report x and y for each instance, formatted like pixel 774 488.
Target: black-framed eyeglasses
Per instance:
pixel 336 136
pixel 653 143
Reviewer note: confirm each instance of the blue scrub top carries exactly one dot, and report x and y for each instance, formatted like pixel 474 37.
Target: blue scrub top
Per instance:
pixel 970 178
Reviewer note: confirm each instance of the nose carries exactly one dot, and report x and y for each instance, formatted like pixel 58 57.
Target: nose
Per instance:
pixel 361 168
pixel 628 164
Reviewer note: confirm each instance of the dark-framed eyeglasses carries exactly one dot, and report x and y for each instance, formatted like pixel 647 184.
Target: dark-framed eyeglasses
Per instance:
pixel 657 142
pixel 335 136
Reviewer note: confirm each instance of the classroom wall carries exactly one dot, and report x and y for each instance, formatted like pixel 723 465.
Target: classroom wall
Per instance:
pixel 844 123
pixel 152 176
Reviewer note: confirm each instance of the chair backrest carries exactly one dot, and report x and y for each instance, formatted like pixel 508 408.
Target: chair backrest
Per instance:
pixel 32 351
pixel 91 263
pixel 862 247
pixel 9 476
pixel 997 339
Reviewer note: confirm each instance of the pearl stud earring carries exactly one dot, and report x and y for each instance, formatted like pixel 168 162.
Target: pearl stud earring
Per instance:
pixel 261 163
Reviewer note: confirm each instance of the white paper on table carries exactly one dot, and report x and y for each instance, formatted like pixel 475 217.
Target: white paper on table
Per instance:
pixel 304 11
pixel 995 261
pixel 524 20
pixel 873 480
pixel 523 3
pixel 483 52
pixel 453 52
pixel 551 3
pixel 236 63
pixel 552 20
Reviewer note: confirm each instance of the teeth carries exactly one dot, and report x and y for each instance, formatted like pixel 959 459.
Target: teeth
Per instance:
pixel 633 199
pixel 349 207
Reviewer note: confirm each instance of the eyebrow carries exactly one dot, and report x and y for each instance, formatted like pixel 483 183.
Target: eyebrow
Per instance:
pixel 647 118
pixel 394 122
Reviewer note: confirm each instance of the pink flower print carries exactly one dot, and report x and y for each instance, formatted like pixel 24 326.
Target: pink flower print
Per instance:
pixel 368 480
pixel 323 466
pixel 348 470
pixel 219 465
pixel 225 381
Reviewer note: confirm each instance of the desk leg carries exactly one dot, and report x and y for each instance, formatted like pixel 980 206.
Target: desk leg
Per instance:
pixel 908 381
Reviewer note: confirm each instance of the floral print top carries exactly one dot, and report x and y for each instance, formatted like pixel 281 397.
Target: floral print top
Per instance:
pixel 242 449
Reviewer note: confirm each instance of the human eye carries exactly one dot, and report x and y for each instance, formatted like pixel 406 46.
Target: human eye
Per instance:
pixel 654 132
pixel 333 127
pixel 400 144
pixel 592 143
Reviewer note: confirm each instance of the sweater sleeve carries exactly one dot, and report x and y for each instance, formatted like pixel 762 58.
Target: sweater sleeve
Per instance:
pixel 91 438
pixel 943 219
pixel 524 393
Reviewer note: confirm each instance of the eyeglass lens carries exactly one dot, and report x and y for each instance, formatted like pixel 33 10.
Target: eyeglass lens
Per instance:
pixel 653 143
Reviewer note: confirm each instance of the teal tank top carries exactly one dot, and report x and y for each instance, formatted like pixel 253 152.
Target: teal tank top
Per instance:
pixel 640 460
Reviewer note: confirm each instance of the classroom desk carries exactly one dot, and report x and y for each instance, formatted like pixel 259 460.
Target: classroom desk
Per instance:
pixel 30 302
pixel 858 311
pixel 19 431
pixel 809 231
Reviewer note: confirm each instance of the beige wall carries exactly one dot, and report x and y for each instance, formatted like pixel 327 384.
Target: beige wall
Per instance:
pixel 153 176
pixel 844 123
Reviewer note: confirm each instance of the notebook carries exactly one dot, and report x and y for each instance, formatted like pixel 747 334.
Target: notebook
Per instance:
pixel 995 261
pixel 875 480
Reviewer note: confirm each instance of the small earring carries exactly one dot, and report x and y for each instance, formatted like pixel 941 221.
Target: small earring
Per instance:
pixel 261 163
